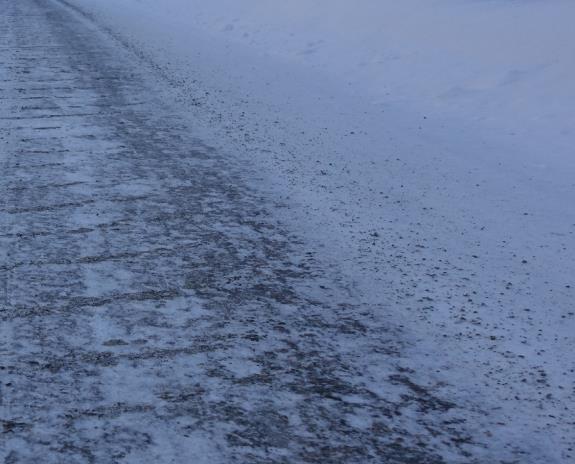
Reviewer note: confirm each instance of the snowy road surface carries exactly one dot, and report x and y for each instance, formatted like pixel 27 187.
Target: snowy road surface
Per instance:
pixel 153 309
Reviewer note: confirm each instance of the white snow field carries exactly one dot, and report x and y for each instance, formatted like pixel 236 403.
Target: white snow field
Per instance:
pixel 428 147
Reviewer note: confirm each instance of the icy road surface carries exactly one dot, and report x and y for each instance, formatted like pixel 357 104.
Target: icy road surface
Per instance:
pixel 153 310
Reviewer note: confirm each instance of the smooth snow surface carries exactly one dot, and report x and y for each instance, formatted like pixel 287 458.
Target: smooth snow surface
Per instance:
pixel 427 146
pixel 507 64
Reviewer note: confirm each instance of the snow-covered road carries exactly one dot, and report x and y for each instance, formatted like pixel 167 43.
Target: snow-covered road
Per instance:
pixel 151 309
pixel 156 305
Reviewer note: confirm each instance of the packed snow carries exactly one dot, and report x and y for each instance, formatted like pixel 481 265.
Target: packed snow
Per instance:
pixel 427 146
